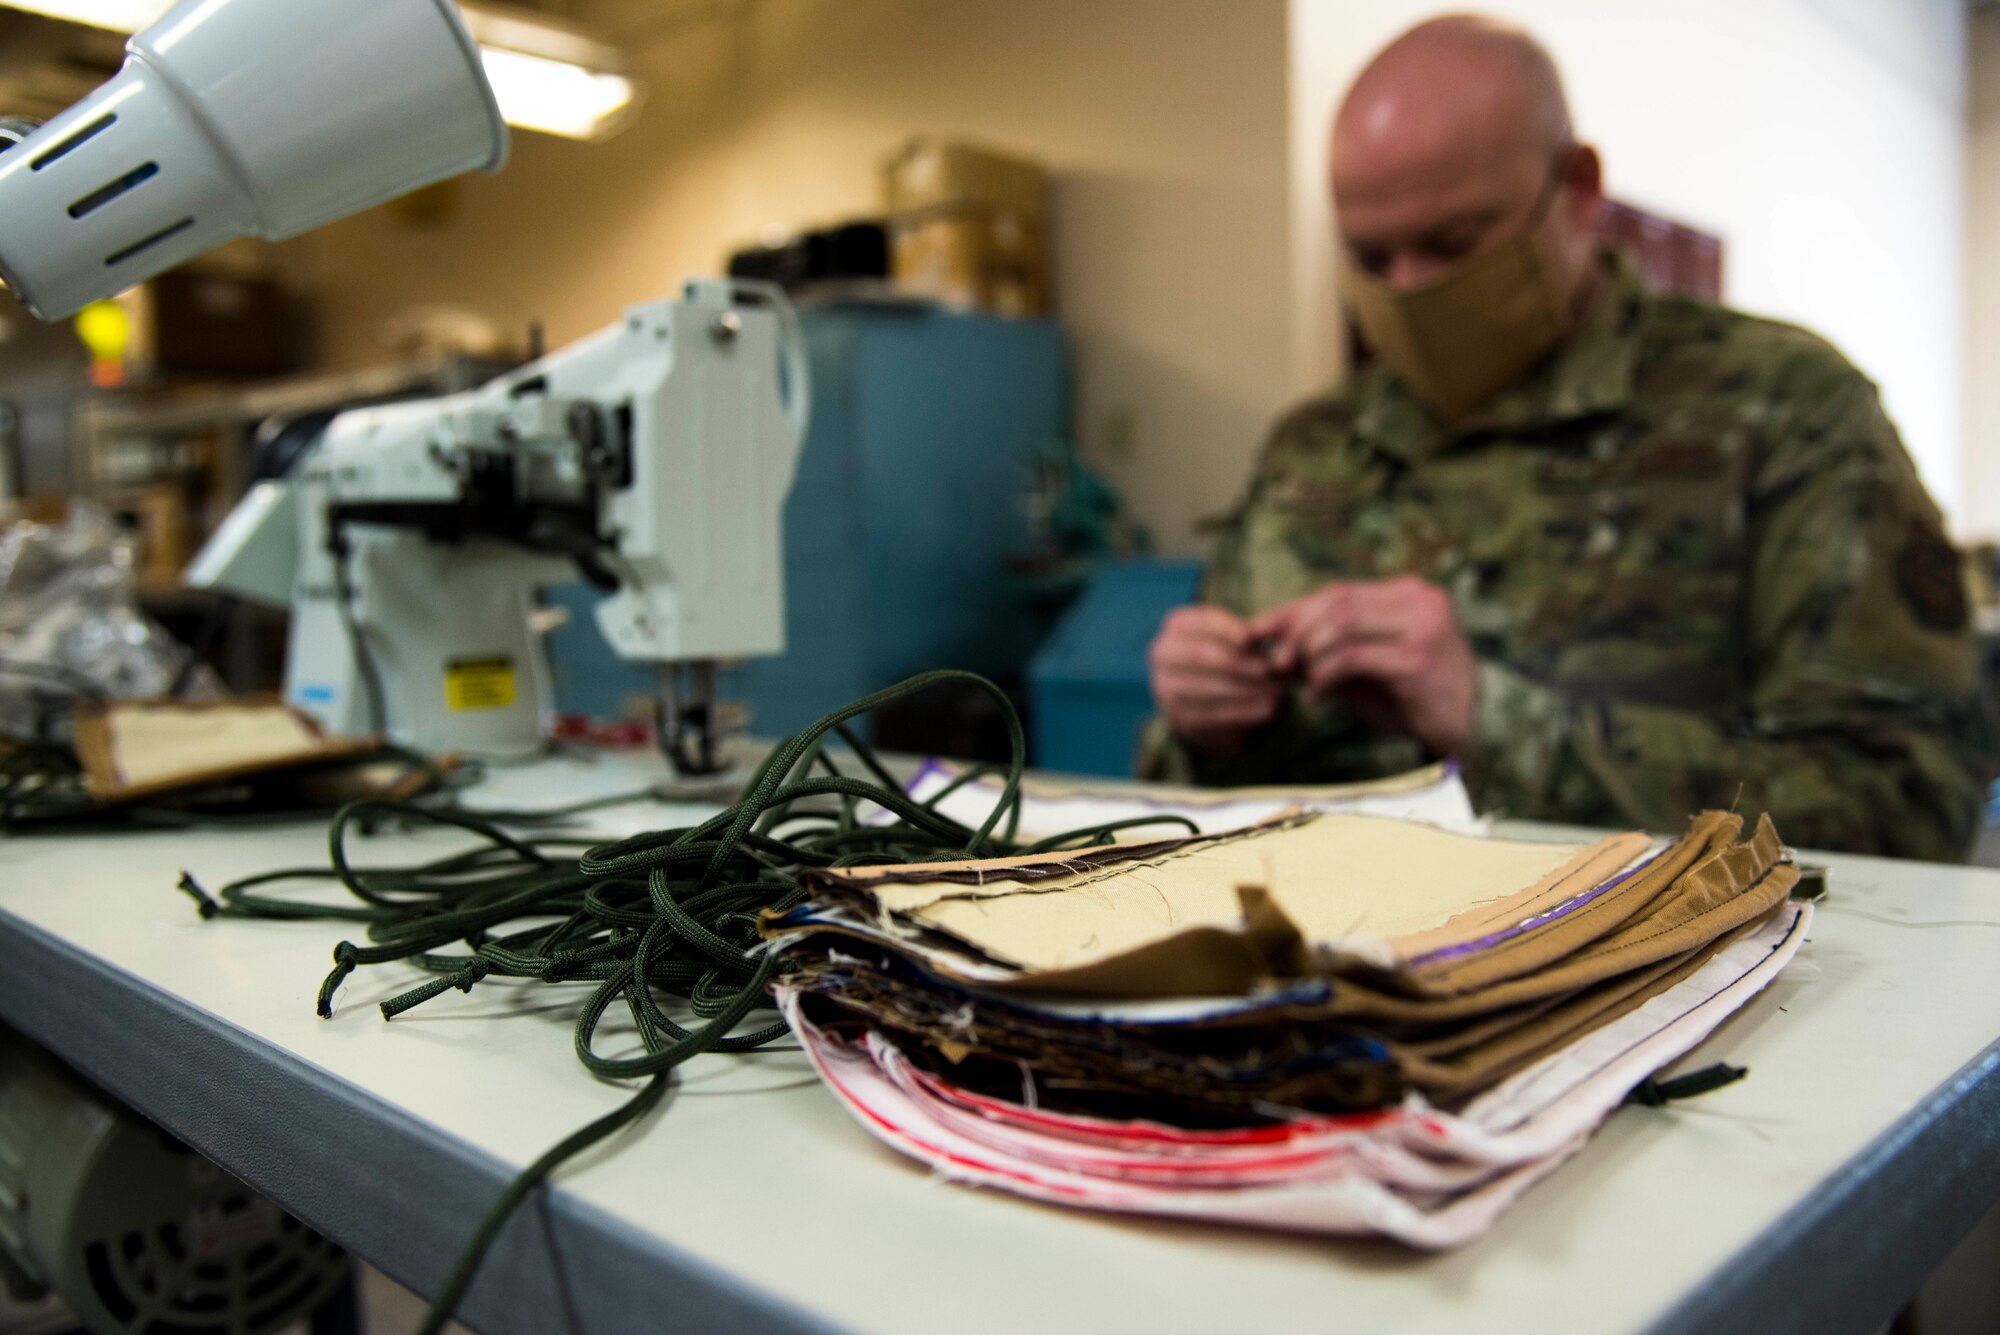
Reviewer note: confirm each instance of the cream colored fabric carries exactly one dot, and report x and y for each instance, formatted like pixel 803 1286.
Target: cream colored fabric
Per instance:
pixel 1346 881
pixel 149 745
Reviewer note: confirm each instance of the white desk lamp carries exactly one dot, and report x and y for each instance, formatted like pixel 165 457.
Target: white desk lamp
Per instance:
pixel 237 118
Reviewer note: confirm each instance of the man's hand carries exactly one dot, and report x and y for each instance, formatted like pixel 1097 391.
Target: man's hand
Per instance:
pixel 1211 683
pixel 1391 647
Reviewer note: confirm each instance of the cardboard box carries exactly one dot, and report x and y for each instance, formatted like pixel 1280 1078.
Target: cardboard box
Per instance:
pixel 160 516
pixel 200 322
pixel 932 173
pixel 974 260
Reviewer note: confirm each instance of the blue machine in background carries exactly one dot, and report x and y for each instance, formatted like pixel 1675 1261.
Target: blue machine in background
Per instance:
pixel 911 496
pixel 1088 688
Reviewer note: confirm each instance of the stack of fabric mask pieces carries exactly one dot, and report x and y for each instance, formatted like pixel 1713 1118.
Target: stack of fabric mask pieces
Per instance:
pixel 1330 1020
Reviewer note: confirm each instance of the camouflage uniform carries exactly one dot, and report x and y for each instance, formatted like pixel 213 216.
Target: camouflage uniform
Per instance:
pixel 1693 560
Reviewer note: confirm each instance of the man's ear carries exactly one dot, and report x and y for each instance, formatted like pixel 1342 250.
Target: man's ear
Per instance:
pixel 1583 188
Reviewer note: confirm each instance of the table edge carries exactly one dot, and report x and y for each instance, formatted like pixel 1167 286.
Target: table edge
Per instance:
pixel 350 1164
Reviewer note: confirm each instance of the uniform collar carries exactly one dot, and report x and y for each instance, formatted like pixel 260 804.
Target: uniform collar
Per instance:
pixel 1590 374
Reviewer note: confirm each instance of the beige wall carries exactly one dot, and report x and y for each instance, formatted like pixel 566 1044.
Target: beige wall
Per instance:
pixel 1982 287
pixel 1820 138
pixel 1164 121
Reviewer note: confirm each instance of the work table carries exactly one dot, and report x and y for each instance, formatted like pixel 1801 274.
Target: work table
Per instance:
pixel 1812 1196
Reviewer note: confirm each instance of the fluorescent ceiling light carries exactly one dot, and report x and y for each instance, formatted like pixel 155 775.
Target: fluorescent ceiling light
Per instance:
pixel 117 15
pixel 546 75
pixel 537 93
pixel 549 75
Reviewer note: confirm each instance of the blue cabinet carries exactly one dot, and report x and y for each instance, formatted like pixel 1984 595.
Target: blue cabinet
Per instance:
pixel 1090 694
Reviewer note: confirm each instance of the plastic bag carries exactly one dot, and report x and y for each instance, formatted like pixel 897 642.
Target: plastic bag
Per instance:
pixel 70 624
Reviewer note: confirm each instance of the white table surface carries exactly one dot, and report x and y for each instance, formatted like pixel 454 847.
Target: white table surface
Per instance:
pixel 754 1170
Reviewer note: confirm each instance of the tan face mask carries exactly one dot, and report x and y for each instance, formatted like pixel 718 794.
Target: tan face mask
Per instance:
pixel 1467 334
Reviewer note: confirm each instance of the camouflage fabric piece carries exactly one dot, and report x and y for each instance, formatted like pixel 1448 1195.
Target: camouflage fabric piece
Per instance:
pixel 1694 561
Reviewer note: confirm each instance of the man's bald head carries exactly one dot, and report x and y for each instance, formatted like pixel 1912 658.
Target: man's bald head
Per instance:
pixel 1448 141
pixel 1449 86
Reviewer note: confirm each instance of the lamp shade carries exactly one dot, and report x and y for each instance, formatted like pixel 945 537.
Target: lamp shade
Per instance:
pixel 241 118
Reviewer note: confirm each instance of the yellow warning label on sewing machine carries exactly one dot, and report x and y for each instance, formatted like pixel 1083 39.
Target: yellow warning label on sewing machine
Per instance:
pixel 479 683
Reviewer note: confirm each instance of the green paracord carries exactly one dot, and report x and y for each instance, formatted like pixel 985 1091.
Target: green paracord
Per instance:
pixel 671 912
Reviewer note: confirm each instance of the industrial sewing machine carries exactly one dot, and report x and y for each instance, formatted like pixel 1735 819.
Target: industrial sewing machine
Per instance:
pixel 652 458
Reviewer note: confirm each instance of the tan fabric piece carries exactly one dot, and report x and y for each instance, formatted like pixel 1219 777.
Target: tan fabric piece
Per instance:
pixel 1196 961
pixel 1715 902
pixel 1602 861
pixel 1485 989
pixel 1695 890
pixel 1701 886
pixel 138 748
pixel 1455 1067
pixel 1203 1065
pixel 1725 892
pixel 1354 886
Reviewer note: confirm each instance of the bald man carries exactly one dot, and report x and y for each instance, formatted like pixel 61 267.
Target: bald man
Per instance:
pixel 1623 556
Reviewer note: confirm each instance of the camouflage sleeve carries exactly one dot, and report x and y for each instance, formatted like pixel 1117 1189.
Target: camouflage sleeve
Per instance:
pixel 1863 730
pixel 1163 757
pixel 1310 741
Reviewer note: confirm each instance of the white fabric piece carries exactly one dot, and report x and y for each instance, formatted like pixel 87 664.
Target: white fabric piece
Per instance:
pixel 1048 810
